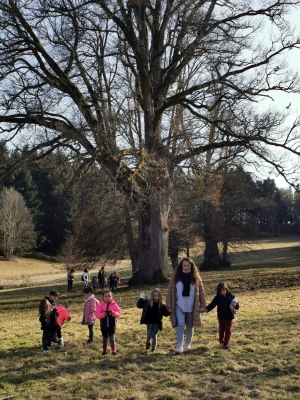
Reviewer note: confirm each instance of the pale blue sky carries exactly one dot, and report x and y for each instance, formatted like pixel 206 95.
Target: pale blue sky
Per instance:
pixel 281 100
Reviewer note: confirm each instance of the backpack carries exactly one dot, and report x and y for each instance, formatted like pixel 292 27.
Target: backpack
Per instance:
pixel 52 324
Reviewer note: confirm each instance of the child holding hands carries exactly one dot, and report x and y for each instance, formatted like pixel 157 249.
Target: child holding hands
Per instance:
pixel 225 302
pixel 90 304
pixel 107 311
pixel 153 311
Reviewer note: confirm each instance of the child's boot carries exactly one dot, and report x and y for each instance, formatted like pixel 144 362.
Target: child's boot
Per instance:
pixel 113 349
pixel 104 349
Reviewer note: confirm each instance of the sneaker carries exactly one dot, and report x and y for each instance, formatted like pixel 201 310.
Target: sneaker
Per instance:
pixel 114 353
pixel 226 347
pixel 44 352
pixel 179 350
pixel 153 349
pixel 147 345
pixel 48 348
pixel 61 343
pixel 103 353
pixel 90 341
pixel 188 347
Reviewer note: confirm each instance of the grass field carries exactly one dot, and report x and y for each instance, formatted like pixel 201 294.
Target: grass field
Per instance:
pixel 263 362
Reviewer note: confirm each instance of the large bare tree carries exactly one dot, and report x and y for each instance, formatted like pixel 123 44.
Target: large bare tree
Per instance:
pixel 17 234
pixel 133 85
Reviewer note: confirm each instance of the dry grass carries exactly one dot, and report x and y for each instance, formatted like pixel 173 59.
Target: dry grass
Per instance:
pixel 263 362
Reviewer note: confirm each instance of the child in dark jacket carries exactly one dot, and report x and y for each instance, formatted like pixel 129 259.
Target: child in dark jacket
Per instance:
pixel 52 298
pixel 48 319
pixel 225 301
pixel 153 311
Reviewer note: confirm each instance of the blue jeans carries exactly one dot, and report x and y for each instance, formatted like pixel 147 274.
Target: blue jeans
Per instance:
pixel 184 318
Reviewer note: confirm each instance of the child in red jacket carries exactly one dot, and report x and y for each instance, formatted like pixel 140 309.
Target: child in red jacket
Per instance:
pixel 90 304
pixel 107 311
pixel 63 315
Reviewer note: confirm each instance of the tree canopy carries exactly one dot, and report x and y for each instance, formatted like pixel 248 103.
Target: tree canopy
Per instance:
pixel 139 86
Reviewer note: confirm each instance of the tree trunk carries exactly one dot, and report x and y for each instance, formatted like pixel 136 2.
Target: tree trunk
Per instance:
pixel 174 259
pixel 153 237
pixel 212 259
pixel 173 248
pixel 132 248
pixel 225 261
pixel 187 249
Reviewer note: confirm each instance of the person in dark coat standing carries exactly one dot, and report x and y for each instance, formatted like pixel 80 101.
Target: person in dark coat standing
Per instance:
pixel 102 278
pixel 70 277
pixel 153 311
pixel 114 280
pixel 225 302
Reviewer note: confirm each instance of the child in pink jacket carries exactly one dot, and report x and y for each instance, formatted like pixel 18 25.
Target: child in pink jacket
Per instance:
pixel 90 304
pixel 107 311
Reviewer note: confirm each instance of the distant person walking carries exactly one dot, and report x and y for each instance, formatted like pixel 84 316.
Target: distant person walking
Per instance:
pixel 85 278
pixel 185 300
pixel 227 305
pixel 114 280
pixel 70 277
pixel 102 278
pixel 94 283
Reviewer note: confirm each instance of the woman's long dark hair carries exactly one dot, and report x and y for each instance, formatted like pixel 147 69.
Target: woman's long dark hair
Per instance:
pixel 194 270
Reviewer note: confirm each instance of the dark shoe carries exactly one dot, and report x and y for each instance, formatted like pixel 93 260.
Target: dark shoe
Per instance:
pixel 226 347
pixel 90 341
pixel 147 345
pixel 103 353
pixel 153 349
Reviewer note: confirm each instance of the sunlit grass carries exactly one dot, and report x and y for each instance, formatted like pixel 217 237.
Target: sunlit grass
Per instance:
pixel 263 362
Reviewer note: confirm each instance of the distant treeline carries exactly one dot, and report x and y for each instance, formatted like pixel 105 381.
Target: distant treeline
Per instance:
pixel 80 212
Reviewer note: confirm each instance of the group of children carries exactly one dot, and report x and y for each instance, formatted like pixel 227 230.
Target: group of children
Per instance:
pixel 52 316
